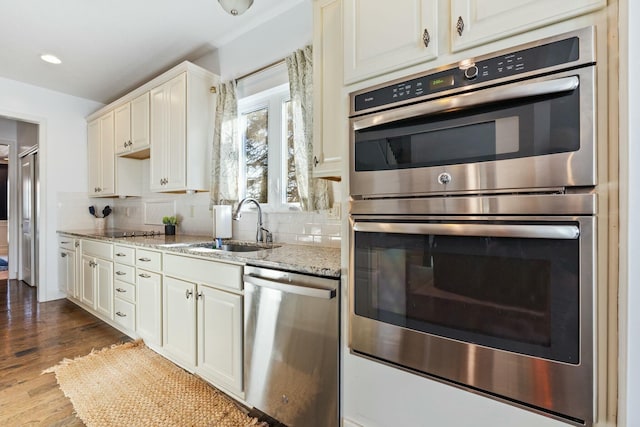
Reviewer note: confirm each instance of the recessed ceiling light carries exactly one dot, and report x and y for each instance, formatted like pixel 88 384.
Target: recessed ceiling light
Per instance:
pixel 52 59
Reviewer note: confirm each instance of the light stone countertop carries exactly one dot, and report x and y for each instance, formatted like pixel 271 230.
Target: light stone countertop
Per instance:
pixel 316 260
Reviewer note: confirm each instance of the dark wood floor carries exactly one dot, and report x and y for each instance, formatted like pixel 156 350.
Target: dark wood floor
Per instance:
pixel 33 337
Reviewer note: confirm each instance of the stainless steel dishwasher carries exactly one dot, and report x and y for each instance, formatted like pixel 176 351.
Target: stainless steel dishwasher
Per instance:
pixel 291 351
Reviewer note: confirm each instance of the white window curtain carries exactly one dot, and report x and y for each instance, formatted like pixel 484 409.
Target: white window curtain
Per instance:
pixel 315 194
pixel 224 156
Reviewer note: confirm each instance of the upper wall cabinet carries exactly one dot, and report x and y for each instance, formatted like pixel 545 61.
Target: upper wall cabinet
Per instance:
pixel 329 106
pixel 132 128
pixel 182 117
pixel 101 160
pixel 170 120
pixel 381 36
pixel 474 22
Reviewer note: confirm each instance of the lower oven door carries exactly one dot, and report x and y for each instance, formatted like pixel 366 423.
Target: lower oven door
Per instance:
pixel 501 305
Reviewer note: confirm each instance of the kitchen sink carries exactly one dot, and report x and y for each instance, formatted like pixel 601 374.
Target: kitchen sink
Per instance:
pixel 232 247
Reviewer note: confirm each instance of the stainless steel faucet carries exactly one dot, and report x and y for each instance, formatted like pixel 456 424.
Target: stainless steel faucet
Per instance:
pixel 260 229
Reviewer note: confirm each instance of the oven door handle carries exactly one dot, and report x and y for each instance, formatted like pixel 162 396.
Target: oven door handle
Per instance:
pixel 471 99
pixel 556 232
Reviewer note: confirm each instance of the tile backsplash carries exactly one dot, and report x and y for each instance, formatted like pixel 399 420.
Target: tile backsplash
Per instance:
pixel 309 228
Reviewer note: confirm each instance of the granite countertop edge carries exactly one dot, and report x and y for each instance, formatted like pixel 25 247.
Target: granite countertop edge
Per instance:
pixel 309 259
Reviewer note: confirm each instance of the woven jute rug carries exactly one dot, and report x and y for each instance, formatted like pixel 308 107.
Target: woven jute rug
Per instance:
pixel 131 385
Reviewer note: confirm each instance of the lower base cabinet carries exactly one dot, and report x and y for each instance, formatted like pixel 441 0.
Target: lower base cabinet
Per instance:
pixel 97 285
pixel 125 314
pixel 220 337
pixel 202 319
pixel 68 266
pixel 179 321
pixel 188 309
pixel 149 307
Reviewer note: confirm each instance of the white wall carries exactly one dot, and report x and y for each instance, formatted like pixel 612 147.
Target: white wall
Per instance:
pixel 629 215
pixel 8 129
pixel 62 155
pixel 272 41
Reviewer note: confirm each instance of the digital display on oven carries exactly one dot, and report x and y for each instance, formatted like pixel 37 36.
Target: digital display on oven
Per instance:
pixel 440 82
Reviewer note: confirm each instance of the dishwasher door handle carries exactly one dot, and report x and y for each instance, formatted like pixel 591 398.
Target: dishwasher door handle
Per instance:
pixel 290 288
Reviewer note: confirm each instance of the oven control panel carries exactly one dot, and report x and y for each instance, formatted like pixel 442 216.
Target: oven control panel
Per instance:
pixel 471 72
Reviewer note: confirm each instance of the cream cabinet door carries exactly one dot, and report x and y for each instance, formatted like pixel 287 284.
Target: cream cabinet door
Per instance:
pixel 67 272
pixel 140 123
pixel 329 104
pixel 149 306
pixel 88 296
pixel 104 287
pixel 220 337
pixel 474 22
pixel 94 157
pixel 122 139
pixel 179 321
pixel 381 36
pixel 158 117
pixel 132 128
pixel 101 156
pixel 168 135
pixel 107 156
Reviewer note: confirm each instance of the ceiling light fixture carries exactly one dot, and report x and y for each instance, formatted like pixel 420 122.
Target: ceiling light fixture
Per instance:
pixel 51 59
pixel 235 7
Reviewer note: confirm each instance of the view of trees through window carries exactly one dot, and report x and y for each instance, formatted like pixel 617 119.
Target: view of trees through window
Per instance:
pixel 267 160
pixel 256 141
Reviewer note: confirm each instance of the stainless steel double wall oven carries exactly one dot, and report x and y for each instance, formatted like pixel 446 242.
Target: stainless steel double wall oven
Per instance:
pixel 473 224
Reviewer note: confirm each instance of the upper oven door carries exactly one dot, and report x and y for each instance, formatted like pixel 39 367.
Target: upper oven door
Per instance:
pixel 531 134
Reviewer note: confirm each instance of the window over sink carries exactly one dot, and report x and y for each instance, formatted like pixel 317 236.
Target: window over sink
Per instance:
pixel 267 169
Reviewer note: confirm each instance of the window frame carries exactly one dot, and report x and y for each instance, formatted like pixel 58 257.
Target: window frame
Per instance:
pixel 274 99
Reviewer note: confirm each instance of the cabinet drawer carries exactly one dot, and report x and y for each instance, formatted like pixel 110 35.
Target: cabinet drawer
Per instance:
pixel 150 260
pixel 97 249
pixel 124 254
pixel 125 291
pixel 125 314
pixel 66 242
pixel 214 273
pixel 124 273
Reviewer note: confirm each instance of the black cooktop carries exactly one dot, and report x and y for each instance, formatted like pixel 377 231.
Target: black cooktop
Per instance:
pixel 129 233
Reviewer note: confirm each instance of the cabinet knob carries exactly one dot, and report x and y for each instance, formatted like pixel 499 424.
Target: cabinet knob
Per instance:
pixel 199 295
pixel 426 38
pixel 144 276
pixel 315 161
pixel 144 259
pixel 188 293
pixel 121 254
pixel 77 244
pixel 120 273
pixel 63 255
pixel 460 26
pixel 119 314
pixel 125 144
pixel 122 291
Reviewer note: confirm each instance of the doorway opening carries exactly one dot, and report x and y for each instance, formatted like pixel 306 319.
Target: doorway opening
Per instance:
pixel 4 211
pixel 19 200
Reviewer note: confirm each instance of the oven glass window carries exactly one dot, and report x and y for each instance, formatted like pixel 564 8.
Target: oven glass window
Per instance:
pixel 525 128
pixel 515 294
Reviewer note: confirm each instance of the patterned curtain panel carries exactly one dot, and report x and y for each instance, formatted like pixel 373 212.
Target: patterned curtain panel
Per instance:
pixel 224 158
pixel 315 194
